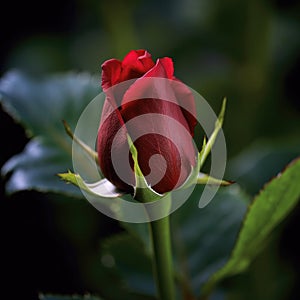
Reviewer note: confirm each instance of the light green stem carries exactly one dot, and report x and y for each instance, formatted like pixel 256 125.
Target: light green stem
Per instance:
pixel 163 266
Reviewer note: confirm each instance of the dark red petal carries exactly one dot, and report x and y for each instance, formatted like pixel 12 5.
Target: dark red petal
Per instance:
pixel 111 72
pixel 186 100
pixel 184 97
pixel 159 127
pixel 172 90
pixel 108 149
pixel 148 86
pixel 163 173
pixel 151 138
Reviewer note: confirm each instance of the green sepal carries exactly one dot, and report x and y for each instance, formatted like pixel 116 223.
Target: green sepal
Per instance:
pixel 89 151
pixel 142 190
pixel 206 147
pixel 72 178
pixel 102 188
pixel 200 154
pixel 206 179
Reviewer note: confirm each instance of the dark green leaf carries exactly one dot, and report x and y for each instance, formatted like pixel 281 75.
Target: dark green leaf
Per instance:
pixel 40 105
pixel 268 209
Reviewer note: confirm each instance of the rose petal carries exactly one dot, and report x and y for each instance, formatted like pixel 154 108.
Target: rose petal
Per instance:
pixel 159 114
pixel 138 60
pixel 136 64
pixel 107 137
pixel 159 127
pixel 163 68
pixel 111 72
pixel 186 101
pixel 151 86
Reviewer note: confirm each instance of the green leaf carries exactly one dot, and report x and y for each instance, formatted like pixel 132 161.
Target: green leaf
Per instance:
pixel 73 297
pixel 40 105
pixel 268 209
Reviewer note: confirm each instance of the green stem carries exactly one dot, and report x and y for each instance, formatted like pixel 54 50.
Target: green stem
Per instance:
pixel 163 267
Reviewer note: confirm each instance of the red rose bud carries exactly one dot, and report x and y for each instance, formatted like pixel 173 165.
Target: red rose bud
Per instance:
pixel 161 127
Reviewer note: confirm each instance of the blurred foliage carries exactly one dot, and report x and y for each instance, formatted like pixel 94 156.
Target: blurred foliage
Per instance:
pixel 246 50
pixel 62 97
pixel 73 297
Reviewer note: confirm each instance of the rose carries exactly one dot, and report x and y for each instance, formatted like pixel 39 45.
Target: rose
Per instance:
pixel 166 155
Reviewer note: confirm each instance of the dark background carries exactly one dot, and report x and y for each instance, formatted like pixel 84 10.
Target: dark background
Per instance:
pixel 248 51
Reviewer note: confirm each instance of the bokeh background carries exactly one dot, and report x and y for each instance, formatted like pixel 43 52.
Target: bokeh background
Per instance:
pixel 248 51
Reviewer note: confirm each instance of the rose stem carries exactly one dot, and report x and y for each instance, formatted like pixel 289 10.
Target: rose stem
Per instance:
pixel 163 269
